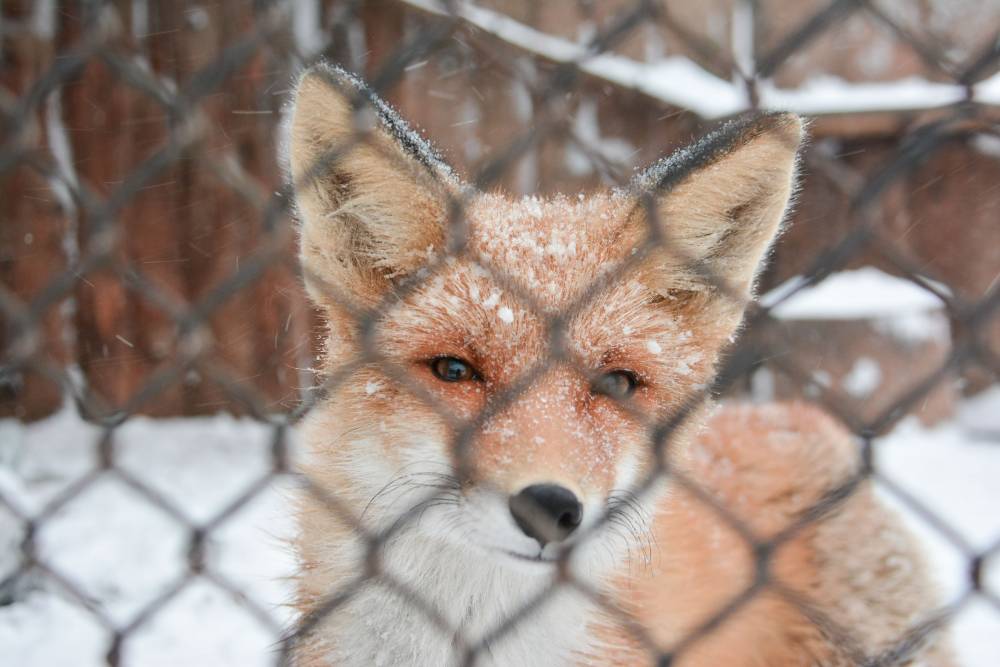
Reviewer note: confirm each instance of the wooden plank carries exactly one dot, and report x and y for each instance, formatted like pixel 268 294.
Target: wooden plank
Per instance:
pixel 32 220
pixel 123 338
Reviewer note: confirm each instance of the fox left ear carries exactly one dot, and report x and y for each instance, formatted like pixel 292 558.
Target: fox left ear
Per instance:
pixel 717 206
pixel 371 194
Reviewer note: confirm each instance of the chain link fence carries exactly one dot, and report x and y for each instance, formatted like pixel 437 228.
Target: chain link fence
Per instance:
pixel 149 263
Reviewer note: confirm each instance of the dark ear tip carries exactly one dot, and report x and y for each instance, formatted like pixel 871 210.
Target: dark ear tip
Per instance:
pixel 738 132
pixel 787 127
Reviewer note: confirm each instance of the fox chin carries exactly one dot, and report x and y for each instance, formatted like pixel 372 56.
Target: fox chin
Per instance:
pixel 517 460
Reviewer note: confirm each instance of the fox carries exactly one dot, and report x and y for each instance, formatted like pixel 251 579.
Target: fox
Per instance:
pixel 517 457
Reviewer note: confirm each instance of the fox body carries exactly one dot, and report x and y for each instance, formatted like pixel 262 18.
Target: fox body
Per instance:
pixel 516 457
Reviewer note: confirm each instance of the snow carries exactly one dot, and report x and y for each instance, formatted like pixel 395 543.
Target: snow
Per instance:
pixel 864 293
pixel 122 551
pixel 829 94
pixel 895 306
pixel 679 81
pixel 980 414
pixel 675 80
pixel 988 90
pixel 863 378
pixel 307 28
pixel 986 144
pixel 954 475
pixel 492 300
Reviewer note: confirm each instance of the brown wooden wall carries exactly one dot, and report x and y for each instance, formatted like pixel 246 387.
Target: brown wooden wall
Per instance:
pixel 187 231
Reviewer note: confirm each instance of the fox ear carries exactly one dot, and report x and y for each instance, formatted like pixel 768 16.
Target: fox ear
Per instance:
pixel 370 192
pixel 717 206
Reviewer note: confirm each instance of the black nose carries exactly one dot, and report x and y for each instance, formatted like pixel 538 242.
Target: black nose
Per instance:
pixel 546 512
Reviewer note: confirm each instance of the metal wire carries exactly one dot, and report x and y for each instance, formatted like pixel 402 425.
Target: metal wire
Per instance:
pixel 103 39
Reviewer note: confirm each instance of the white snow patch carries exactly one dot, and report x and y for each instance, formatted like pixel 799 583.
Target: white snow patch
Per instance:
pixel 307 28
pixel 916 327
pixel 863 378
pixel 532 205
pixel 828 94
pixel 28 629
pixel 988 90
pixel 492 300
pixel 122 551
pixel 987 144
pixel 865 293
pixel 980 415
pixel 954 476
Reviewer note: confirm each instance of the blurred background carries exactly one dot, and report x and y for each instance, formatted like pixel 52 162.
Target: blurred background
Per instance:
pixel 150 298
pixel 870 75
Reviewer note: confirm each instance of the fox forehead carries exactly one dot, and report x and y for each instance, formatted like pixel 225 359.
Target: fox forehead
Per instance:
pixel 562 254
pixel 553 249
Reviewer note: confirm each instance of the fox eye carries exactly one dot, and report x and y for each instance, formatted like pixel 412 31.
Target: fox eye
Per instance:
pixel 452 369
pixel 616 384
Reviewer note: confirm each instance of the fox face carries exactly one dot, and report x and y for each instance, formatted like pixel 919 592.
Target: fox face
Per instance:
pixel 508 376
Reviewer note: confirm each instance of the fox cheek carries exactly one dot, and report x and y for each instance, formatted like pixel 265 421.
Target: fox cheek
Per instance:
pixel 465 403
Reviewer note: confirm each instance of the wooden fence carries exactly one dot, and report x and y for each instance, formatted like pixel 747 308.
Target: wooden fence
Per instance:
pixel 189 230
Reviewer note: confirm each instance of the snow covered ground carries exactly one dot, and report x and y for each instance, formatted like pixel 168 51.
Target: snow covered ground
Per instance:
pixel 953 471
pixel 123 552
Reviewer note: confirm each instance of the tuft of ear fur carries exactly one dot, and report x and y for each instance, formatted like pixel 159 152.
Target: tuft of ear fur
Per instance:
pixel 370 192
pixel 717 206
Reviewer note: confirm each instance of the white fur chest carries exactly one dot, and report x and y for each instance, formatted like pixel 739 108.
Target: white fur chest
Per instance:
pixel 438 600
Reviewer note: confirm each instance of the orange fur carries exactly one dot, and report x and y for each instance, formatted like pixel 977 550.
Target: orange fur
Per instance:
pixel 541 297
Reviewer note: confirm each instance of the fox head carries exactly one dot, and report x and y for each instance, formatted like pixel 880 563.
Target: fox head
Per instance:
pixel 507 373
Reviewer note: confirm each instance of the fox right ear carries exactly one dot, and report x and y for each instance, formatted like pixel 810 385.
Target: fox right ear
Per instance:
pixel 717 206
pixel 371 193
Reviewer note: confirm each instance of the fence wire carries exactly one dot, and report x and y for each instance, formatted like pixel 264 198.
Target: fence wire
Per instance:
pixel 101 33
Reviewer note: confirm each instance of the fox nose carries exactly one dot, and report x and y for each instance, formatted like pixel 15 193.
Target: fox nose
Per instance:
pixel 546 512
